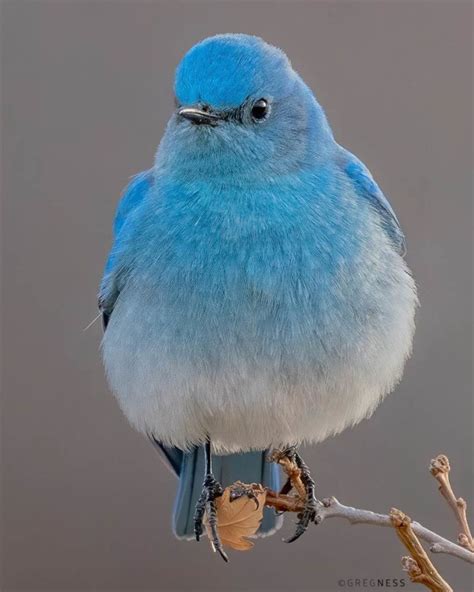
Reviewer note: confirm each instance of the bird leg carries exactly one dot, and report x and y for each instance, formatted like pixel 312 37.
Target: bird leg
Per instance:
pixel 211 489
pixel 305 487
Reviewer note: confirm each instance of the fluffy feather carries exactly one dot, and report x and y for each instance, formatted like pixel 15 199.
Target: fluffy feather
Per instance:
pixel 258 290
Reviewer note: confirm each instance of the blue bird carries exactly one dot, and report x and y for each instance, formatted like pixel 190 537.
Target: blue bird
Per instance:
pixel 256 294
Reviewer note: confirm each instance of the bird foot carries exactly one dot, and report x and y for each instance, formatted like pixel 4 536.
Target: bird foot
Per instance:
pixel 309 512
pixel 239 489
pixel 206 504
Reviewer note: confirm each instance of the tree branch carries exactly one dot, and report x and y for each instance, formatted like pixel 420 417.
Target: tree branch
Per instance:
pixel 332 508
pixel 418 566
pixel 440 468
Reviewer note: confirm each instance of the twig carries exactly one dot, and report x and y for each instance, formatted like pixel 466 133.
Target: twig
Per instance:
pixel 291 469
pixel 418 566
pixel 440 468
pixel 332 508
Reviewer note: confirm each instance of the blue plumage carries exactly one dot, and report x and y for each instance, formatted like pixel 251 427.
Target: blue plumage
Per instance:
pixel 256 293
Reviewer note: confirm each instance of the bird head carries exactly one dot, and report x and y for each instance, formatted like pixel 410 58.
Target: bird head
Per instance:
pixel 241 111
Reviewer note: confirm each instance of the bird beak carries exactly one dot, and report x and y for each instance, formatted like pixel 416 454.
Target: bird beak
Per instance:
pixel 197 116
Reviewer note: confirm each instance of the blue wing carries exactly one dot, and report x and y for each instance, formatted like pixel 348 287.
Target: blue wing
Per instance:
pixel 368 188
pixel 110 285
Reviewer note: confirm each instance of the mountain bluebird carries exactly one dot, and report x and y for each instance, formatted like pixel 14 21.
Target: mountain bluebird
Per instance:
pixel 256 293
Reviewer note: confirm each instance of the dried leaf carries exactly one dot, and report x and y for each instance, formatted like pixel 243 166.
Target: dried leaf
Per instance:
pixel 239 518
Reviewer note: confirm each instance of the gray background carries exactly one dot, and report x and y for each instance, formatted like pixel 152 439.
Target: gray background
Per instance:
pixel 87 90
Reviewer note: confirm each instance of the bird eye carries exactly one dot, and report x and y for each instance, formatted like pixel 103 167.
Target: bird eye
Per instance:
pixel 259 110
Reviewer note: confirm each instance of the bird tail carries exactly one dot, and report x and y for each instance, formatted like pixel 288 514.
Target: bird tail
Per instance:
pixel 249 467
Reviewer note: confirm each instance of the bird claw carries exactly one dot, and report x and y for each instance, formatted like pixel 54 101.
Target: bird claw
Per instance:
pixel 304 518
pixel 310 510
pixel 206 504
pixel 214 535
pixel 240 489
